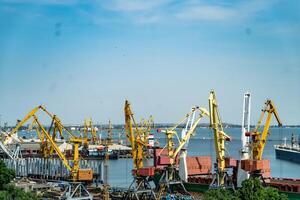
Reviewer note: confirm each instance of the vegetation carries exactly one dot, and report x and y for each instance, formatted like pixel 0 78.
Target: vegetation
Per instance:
pixel 251 189
pixel 8 191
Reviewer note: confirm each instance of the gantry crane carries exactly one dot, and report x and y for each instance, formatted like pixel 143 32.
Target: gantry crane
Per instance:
pixel 76 173
pixel 56 126
pixel 245 150
pixel 49 145
pixel 170 177
pixel 109 133
pixel 89 127
pixel 140 187
pixel 12 153
pixel 221 178
pixel 259 139
pixel 145 126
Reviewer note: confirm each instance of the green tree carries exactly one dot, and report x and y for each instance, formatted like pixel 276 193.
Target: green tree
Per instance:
pixel 220 194
pixel 6 175
pixel 10 192
pixel 251 189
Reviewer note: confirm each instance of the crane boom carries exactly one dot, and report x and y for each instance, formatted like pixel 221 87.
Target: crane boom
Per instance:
pixel 21 123
pixel 219 135
pixel 259 139
pixel 183 141
pixel 134 136
pixel 219 138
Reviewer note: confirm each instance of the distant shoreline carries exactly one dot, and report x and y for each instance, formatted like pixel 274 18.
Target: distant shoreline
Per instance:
pixel 157 125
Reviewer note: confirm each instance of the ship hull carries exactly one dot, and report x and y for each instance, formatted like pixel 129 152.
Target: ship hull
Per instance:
pixel 286 154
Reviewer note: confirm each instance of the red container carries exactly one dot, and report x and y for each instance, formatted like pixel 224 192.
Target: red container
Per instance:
pixel 197 165
pixel 146 171
pixel 246 165
pixel 162 160
pixel 257 165
pixel 230 162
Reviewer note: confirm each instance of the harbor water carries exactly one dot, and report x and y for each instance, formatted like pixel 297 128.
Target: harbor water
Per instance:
pixel 202 144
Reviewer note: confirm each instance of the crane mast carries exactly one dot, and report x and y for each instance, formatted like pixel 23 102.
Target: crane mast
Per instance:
pixel 259 138
pixel 140 186
pixel 246 126
pixel 109 133
pixel 255 164
pixel 245 150
pixel 221 176
pixel 170 177
pixel 48 143
pixel 89 127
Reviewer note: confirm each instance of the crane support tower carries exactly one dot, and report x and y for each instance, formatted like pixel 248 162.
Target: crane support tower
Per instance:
pixel 256 165
pixel 48 143
pixel 141 187
pixel 245 150
pixel 221 178
pixel 170 178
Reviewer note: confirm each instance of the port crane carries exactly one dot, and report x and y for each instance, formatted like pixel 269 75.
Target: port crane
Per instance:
pixel 56 126
pixel 89 127
pixel 109 133
pixel 245 150
pixel 259 139
pixel 140 187
pixel 12 153
pixel 221 178
pixel 48 143
pixel 170 177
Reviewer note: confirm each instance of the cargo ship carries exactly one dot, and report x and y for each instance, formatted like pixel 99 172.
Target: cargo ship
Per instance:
pixel 200 175
pixel 289 152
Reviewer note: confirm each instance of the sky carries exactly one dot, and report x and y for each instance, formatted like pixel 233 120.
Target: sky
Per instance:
pixel 84 58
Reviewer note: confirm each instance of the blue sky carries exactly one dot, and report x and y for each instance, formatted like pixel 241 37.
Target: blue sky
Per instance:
pixel 84 58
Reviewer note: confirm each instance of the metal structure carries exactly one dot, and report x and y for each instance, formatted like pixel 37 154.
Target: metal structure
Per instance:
pixel 75 191
pixel 89 128
pixel 245 150
pixel 170 178
pixel 140 188
pixel 109 133
pixel 48 144
pixel 106 186
pixel 259 139
pixel 50 168
pixel 255 164
pixel 221 178
pixel 13 152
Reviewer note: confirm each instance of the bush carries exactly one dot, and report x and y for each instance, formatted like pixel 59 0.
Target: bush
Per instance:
pixel 251 189
pixel 10 192
pixel 220 194
pixel 6 175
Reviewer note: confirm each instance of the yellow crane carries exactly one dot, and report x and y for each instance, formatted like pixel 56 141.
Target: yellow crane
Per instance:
pixel 76 173
pixel 49 145
pixel 259 138
pixel 141 184
pixel 145 126
pixel 109 133
pixel 221 178
pixel 89 127
pixel 257 144
pixel 170 176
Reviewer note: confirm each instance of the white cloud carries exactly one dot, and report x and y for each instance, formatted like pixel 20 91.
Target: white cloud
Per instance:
pixel 41 2
pixel 195 10
pixel 157 11
pixel 133 5
pixel 206 12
